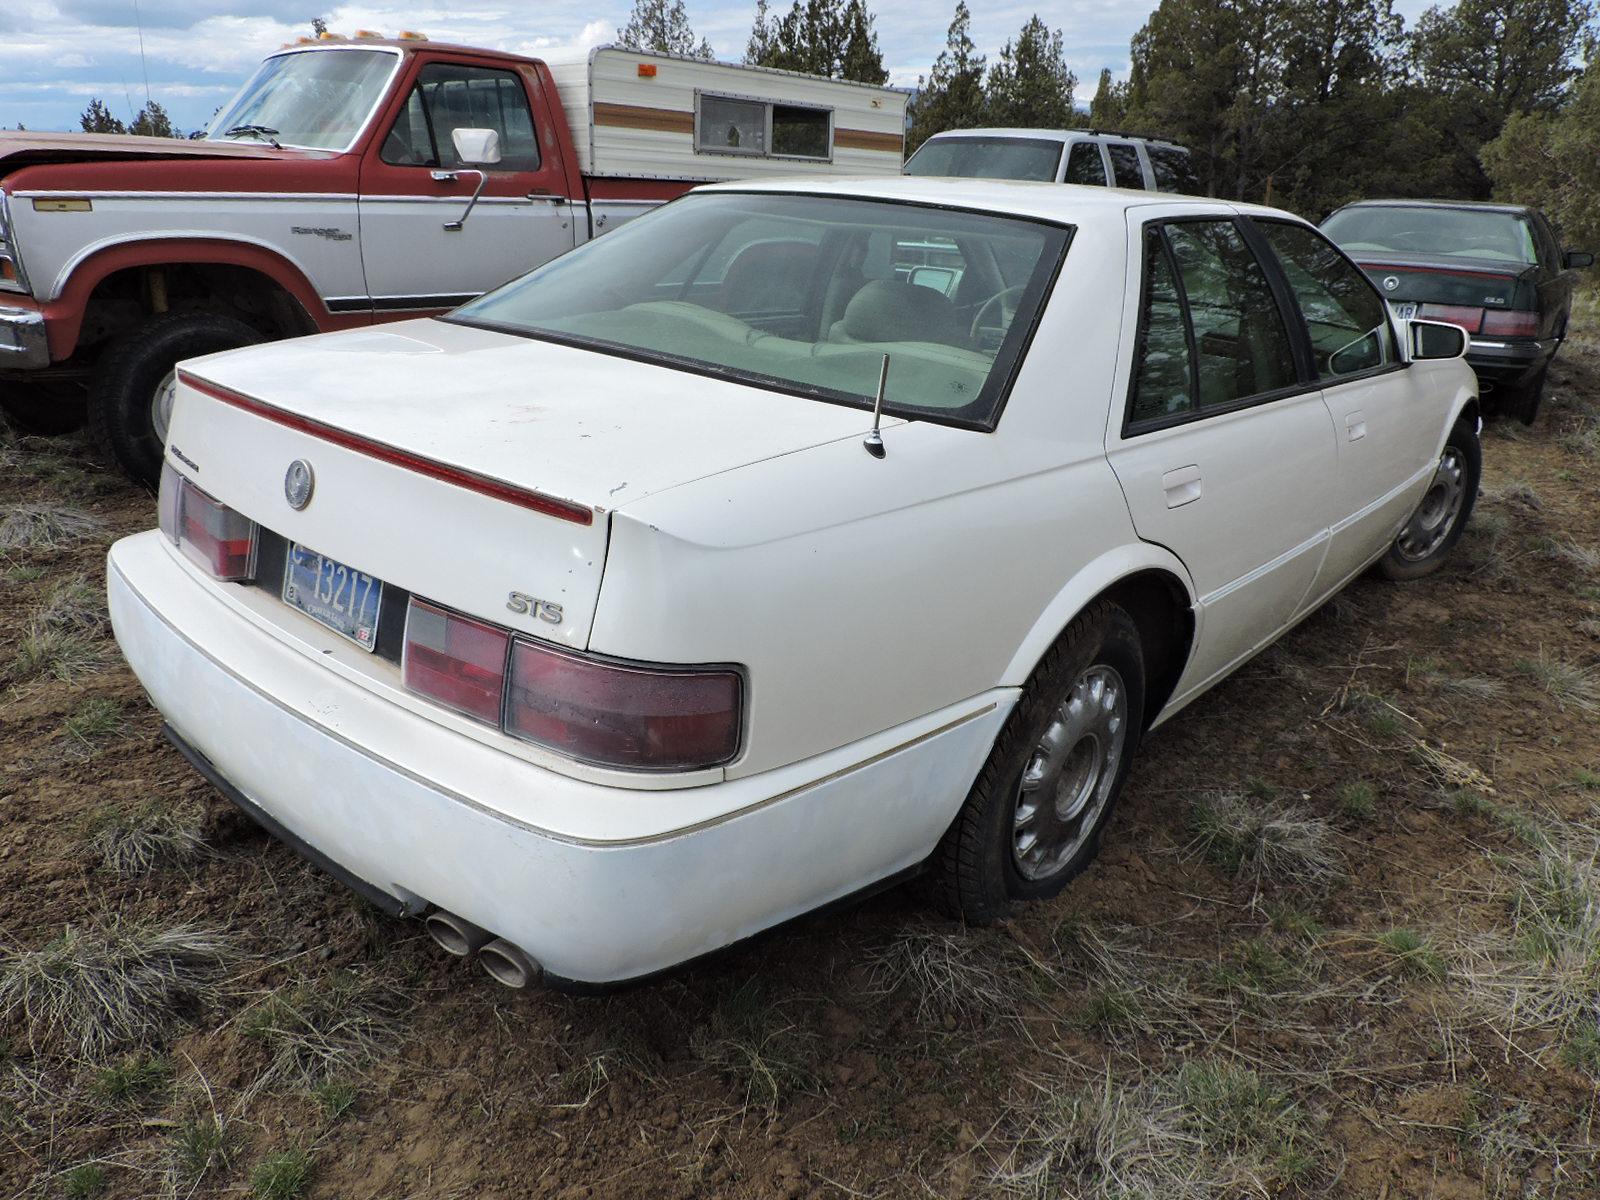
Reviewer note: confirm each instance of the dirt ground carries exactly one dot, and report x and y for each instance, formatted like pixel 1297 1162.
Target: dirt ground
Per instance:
pixel 1343 939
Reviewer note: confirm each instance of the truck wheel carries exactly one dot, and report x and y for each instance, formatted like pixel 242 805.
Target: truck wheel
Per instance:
pixel 1439 521
pixel 43 409
pixel 1033 818
pixel 131 399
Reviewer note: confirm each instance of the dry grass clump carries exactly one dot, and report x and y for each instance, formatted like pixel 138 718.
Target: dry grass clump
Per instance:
pixel 47 527
pixel 747 1039
pixel 77 606
pixel 1517 491
pixel 1210 1129
pixel 48 653
pixel 1567 682
pixel 132 841
pixel 321 1029
pixel 105 985
pixel 1412 954
pixel 959 973
pixel 1569 552
pixel 1264 841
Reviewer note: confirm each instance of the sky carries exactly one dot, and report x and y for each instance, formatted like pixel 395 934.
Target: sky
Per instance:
pixel 57 54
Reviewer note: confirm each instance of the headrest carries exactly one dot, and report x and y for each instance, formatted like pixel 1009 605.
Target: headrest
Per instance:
pixel 887 310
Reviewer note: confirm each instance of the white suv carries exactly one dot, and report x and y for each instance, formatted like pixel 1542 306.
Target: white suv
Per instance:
pixel 1097 157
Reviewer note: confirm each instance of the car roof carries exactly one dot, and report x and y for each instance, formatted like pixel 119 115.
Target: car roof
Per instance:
pixel 1483 205
pixel 1057 135
pixel 1066 203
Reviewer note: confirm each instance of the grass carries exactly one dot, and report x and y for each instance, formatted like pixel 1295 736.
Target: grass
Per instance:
pixel 1518 491
pixel 1208 1130
pixel 748 1040
pixel 1567 682
pixel 95 720
pixel 1570 553
pixel 201 1143
pixel 320 1029
pixel 76 605
pixel 133 1078
pixel 281 1176
pixel 335 1097
pixel 1412 955
pixel 1358 801
pixel 83 1181
pixel 961 974
pixel 44 652
pixel 133 841
pixel 47 527
pixel 1264 841
pixel 105 984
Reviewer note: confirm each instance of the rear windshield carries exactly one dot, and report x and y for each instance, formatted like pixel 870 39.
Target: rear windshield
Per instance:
pixel 804 294
pixel 988 158
pixel 1450 232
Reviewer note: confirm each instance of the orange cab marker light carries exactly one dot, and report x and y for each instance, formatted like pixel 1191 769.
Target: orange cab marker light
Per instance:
pixel 411 35
pixel 647 70
pixel 550 506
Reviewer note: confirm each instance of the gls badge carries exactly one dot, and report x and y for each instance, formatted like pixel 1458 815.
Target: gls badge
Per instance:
pixel 522 603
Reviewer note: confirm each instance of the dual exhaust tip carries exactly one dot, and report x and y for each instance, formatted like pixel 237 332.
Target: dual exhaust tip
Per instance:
pixel 505 963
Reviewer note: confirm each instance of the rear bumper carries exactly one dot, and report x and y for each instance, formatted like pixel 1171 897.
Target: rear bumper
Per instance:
pixel 1509 363
pixel 360 783
pixel 23 344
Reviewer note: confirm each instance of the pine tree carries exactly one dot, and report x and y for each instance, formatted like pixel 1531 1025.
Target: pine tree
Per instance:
pixel 1109 108
pixel 662 26
pixel 951 96
pixel 97 118
pixel 832 38
pixel 763 37
pixel 152 121
pixel 1031 85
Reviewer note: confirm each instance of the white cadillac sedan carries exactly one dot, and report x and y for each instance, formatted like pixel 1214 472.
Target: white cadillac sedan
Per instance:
pixel 787 542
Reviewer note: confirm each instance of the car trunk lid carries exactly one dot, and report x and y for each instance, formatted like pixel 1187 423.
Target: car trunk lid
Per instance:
pixel 1458 282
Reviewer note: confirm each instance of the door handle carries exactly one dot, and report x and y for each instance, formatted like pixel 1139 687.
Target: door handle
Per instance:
pixel 1182 486
pixel 1355 425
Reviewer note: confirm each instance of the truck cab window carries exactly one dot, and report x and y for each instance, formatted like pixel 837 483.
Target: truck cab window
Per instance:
pixel 1084 165
pixel 448 97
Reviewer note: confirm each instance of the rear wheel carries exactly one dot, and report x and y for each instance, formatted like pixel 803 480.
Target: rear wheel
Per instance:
pixel 131 402
pixel 1439 521
pixel 1034 816
pixel 45 409
pixel 1524 400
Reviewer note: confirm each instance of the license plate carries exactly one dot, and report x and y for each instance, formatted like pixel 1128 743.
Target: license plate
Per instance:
pixel 342 598
pixel 1404 311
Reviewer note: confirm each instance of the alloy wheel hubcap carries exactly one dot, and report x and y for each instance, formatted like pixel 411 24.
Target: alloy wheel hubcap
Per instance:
pixel 1069 776
pixel 1436 515
pixel 161 406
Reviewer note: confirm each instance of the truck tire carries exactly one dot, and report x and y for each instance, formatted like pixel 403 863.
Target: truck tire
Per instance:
pixel 43 409
pixel 136 369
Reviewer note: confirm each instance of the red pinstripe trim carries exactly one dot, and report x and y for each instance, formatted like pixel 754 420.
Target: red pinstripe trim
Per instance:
pixel 550 506
pixel 1436 271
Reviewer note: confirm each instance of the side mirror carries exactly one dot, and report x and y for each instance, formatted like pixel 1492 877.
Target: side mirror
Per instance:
pixel 1576 260
pixel 1426 341
pixel 478 147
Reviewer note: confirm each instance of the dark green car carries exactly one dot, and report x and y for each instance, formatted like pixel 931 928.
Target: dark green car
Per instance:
pixel 1497 270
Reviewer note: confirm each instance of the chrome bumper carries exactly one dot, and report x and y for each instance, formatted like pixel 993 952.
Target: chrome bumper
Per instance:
pixel 22 339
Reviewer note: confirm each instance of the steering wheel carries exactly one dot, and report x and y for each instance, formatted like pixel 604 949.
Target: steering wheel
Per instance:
pixel 999 299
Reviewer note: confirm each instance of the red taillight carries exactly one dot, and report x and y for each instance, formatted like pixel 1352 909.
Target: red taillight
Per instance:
pixel 643 718
pixel 455 660
pixel 206 530
pixel 1455 314
pixel 1511 323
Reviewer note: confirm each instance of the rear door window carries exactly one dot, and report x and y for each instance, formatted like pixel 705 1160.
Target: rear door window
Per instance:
pixel 1347 319
pixel 1125 164
pixel 1085 166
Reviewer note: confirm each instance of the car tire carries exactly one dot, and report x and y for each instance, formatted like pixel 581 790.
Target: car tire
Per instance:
pixel 1438 522
pixel 136 368
pixel 1053 775
pixel 1523 401
pixel 44 409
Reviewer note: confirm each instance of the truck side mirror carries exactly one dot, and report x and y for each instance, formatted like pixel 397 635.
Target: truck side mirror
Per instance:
pixel 1574 260
pixel 477 147
pixel 1429 340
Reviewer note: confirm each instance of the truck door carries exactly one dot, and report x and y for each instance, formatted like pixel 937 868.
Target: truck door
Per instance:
pixel 421 248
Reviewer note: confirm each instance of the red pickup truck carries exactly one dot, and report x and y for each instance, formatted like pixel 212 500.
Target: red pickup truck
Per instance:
pixel 360 180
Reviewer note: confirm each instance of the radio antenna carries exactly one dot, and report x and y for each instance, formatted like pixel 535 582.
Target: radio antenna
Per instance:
pixel 138 24
pixel 874 440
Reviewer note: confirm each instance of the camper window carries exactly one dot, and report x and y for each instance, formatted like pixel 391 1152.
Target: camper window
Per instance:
pixel 739 125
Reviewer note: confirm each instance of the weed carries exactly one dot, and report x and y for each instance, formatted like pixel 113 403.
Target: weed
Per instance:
pixel 106 984
pixel 83 1181
pixel 1567 682
pixel 948 973
pixel 200 1143
pixel 47 527
pixel 281 1176
pixel 1264 841
pixel 1412 954
pixel 1358 801
pixel 321 1029
pixel 95 720
pixel 335 1097
pixel 131 841
pixel 748 1040
pixel 134 1077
